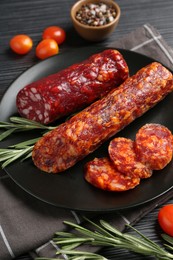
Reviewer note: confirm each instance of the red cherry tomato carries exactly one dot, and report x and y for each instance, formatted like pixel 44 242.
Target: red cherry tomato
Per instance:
pixel 47 48
pixel 165 218
pixel 56 33
pixel 21 44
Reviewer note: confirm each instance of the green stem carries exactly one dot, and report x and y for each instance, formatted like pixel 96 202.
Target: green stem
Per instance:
pixel 18 124
pixel 106 235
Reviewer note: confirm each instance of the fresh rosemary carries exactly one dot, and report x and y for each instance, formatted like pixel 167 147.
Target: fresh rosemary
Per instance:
pixel 107 235
pixel 17 124
pixel 21 150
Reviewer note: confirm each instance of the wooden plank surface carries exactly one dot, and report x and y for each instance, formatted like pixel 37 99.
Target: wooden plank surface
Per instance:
pixel 32 16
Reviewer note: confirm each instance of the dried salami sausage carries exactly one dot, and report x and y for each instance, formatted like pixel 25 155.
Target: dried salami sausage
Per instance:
pixel 73 88
pixel 83 133
pixel 154 146
pixel 122 154
pixel 102 174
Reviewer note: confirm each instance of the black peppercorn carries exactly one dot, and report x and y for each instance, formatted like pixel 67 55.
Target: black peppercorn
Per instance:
pixel 96 14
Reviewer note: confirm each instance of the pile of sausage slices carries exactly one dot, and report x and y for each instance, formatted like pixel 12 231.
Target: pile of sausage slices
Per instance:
pixel 130 161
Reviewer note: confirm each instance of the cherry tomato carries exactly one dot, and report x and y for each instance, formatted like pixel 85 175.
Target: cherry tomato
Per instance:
pixel 47 48
pixel 21 44
pixel 56 33
pixel 165 218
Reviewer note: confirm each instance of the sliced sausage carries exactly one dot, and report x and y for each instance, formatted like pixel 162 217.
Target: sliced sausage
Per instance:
pixel 73 88
pixel 86 131
pixel 154 145
pixel 122 154
pixel 102 174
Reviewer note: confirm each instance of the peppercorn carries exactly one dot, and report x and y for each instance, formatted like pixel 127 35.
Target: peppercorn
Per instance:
pixel 96 14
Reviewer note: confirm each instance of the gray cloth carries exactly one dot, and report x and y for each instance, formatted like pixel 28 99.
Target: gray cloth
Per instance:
pixel 27 224
pixel 148 41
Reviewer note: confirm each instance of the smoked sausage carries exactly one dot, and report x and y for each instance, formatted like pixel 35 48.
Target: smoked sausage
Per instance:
pixel 73 88
pixel 86 131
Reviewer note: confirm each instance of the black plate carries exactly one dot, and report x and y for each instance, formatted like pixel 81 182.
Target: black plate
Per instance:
pixel 69 189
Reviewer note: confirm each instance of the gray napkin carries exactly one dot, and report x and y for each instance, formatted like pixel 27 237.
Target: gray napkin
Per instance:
pixel 27 224
pixel 148 41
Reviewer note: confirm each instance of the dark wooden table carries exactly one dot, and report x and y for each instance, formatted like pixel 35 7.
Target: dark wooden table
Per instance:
pixel 32 16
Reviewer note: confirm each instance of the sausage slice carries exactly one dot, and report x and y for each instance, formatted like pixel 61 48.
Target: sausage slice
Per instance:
pixel 102 174
pixel 122 154
pixel 154 146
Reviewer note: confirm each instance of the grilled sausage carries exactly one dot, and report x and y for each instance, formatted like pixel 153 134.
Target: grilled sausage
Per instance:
pixel 83 133
pixel 73 88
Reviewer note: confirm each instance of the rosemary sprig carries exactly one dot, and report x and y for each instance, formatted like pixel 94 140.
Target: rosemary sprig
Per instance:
pixel 17 124
pixel 21 150
pixel 106 235
pixel 169 240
